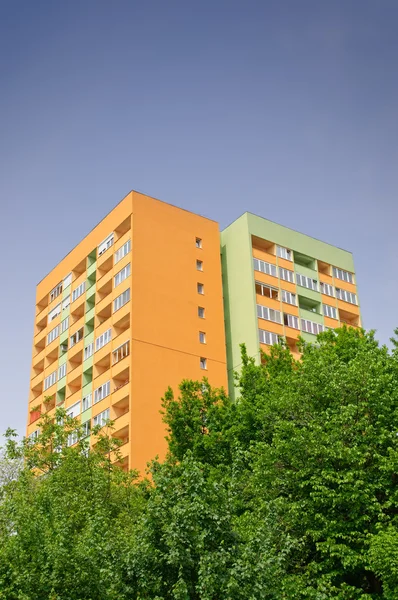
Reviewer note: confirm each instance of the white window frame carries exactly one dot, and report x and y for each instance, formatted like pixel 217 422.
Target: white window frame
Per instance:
pixel 330 311
pixel 77 292
pixel 87 401
pixel 269 314
pixel 199 265
pixel 343 275
pixel 289 298
pixel 200 288
pixel 106 244
pixel 201 312
pixel 103 339
pixel 203 363
pixel 76 337
pixel 268 337
pixel 307 282
pixel 52 335
pixel 86 428
pixel 283 252
pixel 121 300
pixel 273 292
pixel 346 296
pixel 198 242
pixel 102 392
pixel 286 275
pixel 122 252
pixel 74 410
pixel 64 324
pixel 72 438
pixel 291 321
pixel 62 371
pixel 327 289
pixel 202 337
pixel 311 327
pixel 67 281
pixel 264 267
pixel 101 418
pixel 121 352
pixel 66 302
pixel 88 351
pixel 56 292
pixel 50 380
pixel 122 275
pixel 54 313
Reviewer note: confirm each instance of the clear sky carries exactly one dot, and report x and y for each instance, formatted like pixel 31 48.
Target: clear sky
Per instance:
pixel 283 108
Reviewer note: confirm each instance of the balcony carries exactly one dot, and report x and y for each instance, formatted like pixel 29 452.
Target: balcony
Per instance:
pixel 104 311
pixel 78 271
pixel 264 247
pixel 121 394
pixel 121 319
pixel 349 319
pixel 122 230
pixel 41 324
pixel 104 279
pixel 104 263
pixel 52 356
pixel 102 362
pixel 104 288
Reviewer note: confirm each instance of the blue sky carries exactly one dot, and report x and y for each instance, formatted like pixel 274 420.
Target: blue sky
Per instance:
pixel 286 109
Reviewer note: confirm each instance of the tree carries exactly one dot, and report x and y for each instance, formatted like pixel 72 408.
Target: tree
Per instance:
pixel 288 493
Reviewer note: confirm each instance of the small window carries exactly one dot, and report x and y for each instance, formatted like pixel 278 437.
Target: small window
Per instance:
pixel 201 288
pixel 201 312
pixel 202 337
pixel 198 242
pixel 199 265
pixel 203 363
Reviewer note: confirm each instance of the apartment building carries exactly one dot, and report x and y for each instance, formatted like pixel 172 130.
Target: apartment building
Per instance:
pixel 145 300
pixel 134 308
pixel 279 283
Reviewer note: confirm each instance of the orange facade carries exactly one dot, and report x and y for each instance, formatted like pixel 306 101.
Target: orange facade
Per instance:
pixel 156 336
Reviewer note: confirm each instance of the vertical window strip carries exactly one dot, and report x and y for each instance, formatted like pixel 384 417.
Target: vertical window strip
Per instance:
pixel 264 267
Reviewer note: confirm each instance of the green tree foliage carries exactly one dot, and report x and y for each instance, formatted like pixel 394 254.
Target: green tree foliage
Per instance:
pixel 288 493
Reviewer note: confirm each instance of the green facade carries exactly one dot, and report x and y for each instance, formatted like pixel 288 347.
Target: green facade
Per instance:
pixel 241 323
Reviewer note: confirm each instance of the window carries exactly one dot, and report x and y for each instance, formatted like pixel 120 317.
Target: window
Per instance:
pixel 34 435
pixel 199 265
pixel 66 302
pixel 54 333
pixel 346 296
pixel 54 313
pixel 55 292
pixel 107 243
pixel 88 351
pixel 125 249
pixel 201 312
pixel 266 337
pixel 121 352
pixel 327 289
pixel 263 312
pixel 122 275
pixel 73 438
pixel 64 324
pixel 201 288
pixel 307 282
pixel 85 430
pixel 289 298
pixel 103 339
pixel 86 402
pixel 264 267
pixel 202 337
pixel 102 418
pixel 78 291
pixel 62 371
pixel 102 392
pixel 67 281
pixel 74 410
pixel 311 327
pixel 286 275
pixel 344 275
pixel 50 380
pixel 198 242
pixel 76 337
pixel 121 300
pixel 266 290
pixel 291 321
pixel 284 253
pixel 330 311
pixel 203 363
